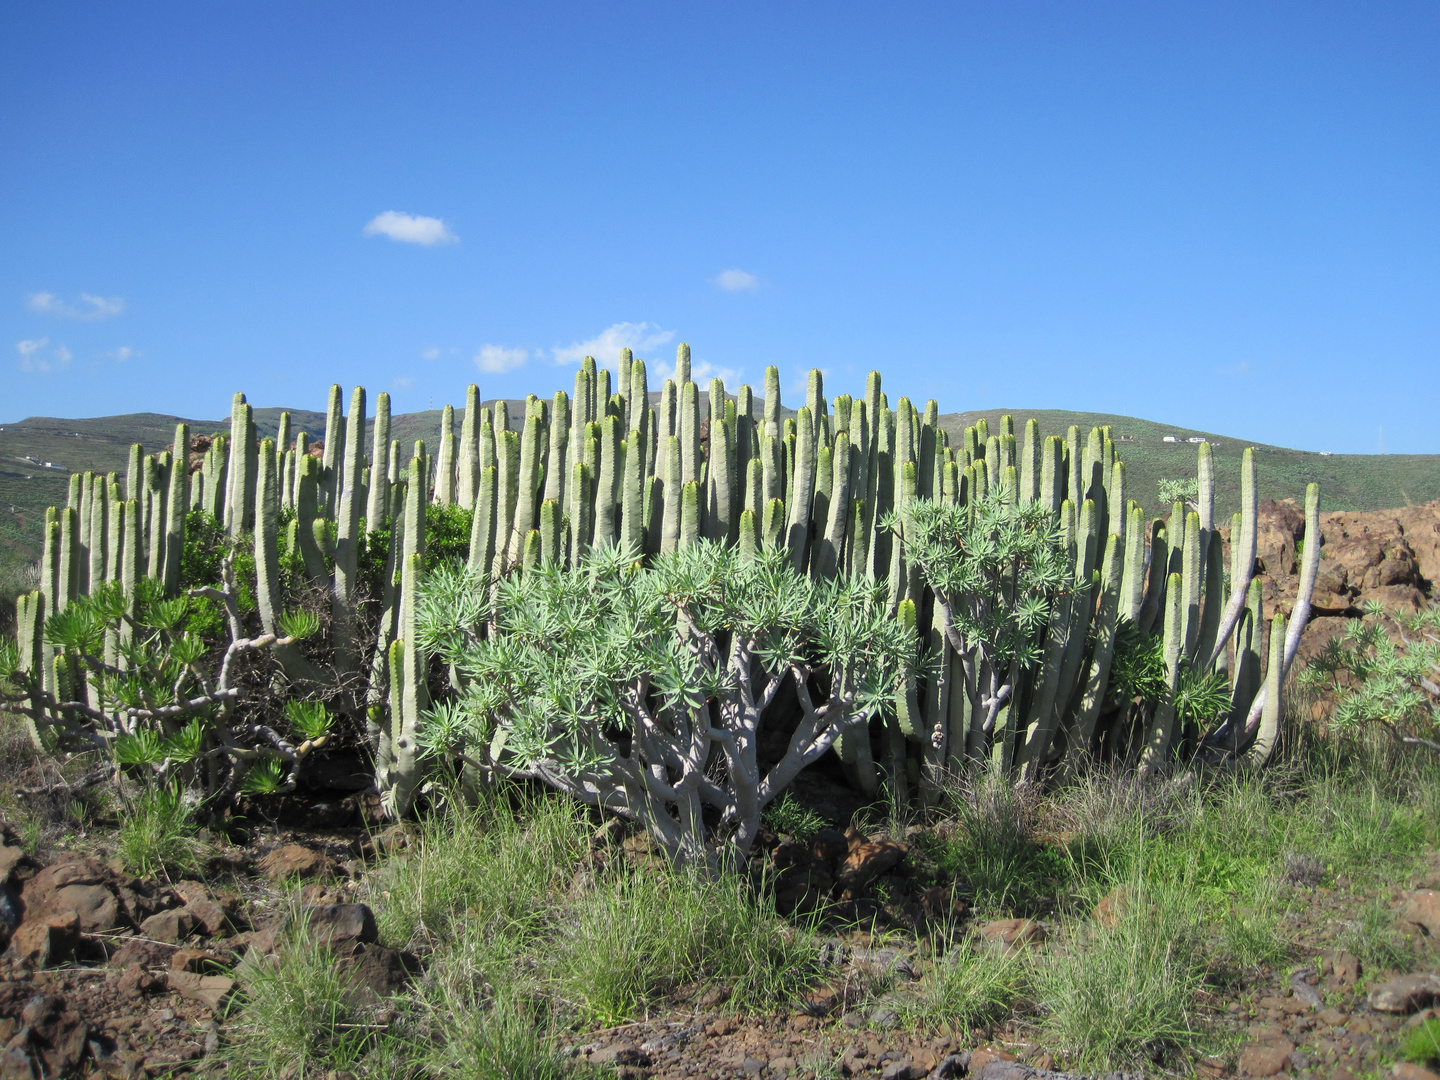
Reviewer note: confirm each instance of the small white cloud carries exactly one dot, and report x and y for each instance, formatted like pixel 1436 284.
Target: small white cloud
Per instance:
pixel 403 383
pixel 410 229
pixel 124 352
pixel 432 353
pixel 496 359
pixel 91 308
pixel 33 356
pixel 606 345
pixel 737 281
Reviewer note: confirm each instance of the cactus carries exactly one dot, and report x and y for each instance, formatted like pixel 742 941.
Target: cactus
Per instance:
pixel 344 599
pixel 467 461
pixel 377 504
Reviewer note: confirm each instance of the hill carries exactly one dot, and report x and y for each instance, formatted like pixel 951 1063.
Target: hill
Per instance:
pixel 38 454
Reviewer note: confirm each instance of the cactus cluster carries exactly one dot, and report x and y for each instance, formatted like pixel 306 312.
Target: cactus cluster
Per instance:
pixel 836 485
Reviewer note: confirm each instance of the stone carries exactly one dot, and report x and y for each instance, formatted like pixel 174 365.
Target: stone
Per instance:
pixel 902 1070
pixel 209 990
pixel 1266 1059
pixel 986 1054
pixel 1396 599
pixel 10 857
pixel 376 972
pixel 951 1066
pixel 210 917
pixel 1408 1070
pixel 95 905
pixel 1422 909
pixel 47 941
pixel 869 860
pixel 1404 994
pixel 830 846
pixel 170 927
pixel 621 1053
pixel 1345 969
pixel 1011 934
pixel 1334 1017
pixel 334 924
pixel 147 954
pixel 200 961
pixel 296 861
pixel 57 1034
pixel 1112 906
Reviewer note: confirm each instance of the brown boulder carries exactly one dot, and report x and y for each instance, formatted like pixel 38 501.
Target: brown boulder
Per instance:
pixel 869 860
pixel 376 973
pixel 332 924
pixel 1266 1059
pixel 54 1034
pixel 1405 993
pixel 296 861
pixel 1112 906
pixel 1279 524
pixel 46 941
pixel 209 990
pixel 10 857
pixel 1422 909
pixel 209 916
pixel 1395 599
pixel 142 953
pixel 1009 934
pixel 96 906
pixel 170 927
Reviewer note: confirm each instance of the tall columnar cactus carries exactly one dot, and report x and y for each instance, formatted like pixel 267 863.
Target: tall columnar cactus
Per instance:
pixel 445 464
pixel 334 451
pixel 377 504
pixel 344 596
pixel 467 462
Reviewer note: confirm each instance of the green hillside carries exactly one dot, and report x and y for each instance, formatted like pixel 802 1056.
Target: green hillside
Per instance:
pixel 1347 481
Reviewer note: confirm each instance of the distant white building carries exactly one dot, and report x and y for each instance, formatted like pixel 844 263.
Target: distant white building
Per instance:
pixel 1326 453
pixel 1170 438
pixel 1196 438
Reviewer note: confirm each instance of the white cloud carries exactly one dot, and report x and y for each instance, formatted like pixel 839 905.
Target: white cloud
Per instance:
pixel 432 353
pixel 91 308
pixel 737 281
pixel 496 359
pixel 403 383
pixel 606 345
pixel 33 356
pixel 410 228
pixel 124 352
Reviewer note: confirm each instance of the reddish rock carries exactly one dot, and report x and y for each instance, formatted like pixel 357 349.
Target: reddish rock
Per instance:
pixel 209 990
pixel 376 972
pixel 1422 909
pixel 46 941
pixel 1408 1070
pixel 210 917
pixel 1405 993
pixel 296 861
pixel 1012 933
pixel 334 924
pixel 1112 906
pixel 869 860
pixel 1396 599
pixel 171 927
pixel 829 847
pixel 142 953
pixel 10 857
pixel 55 1035
pixel 95 905
pixel 1266 1059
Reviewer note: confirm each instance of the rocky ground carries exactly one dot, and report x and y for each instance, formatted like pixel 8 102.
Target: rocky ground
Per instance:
pixel 105 974
pixel 108 975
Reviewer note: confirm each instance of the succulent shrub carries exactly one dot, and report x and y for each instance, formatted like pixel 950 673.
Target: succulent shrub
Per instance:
pixel 643 690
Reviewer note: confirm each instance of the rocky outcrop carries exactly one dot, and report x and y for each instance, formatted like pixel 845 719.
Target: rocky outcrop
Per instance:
pixel 1390 557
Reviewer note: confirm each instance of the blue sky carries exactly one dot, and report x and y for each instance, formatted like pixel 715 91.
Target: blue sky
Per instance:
pixel 1224 216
